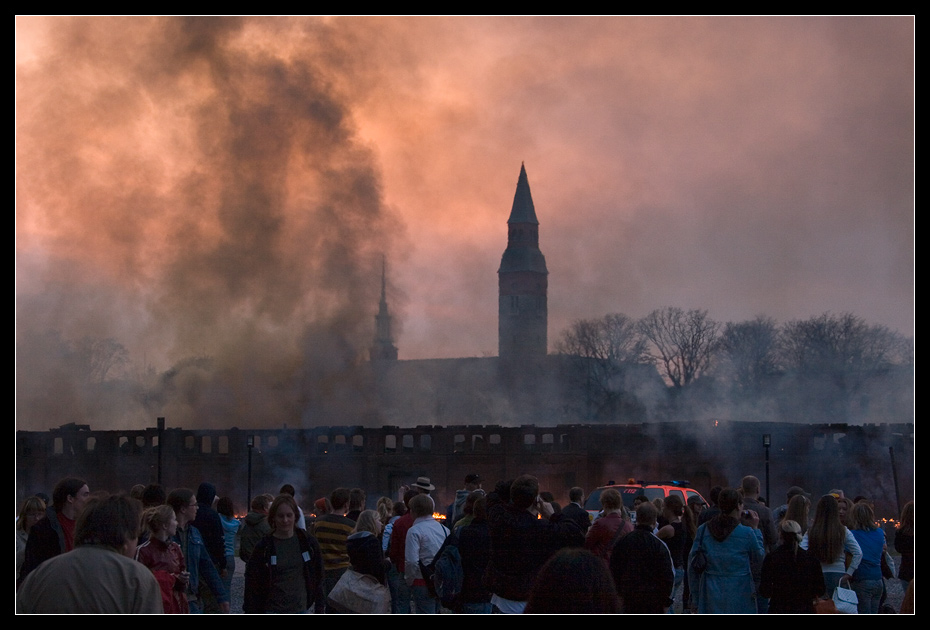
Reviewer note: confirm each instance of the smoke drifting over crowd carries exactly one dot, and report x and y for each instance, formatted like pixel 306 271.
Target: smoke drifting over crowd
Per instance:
pixel 203 204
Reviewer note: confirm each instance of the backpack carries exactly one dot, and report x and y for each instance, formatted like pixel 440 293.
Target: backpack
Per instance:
pixel 448 576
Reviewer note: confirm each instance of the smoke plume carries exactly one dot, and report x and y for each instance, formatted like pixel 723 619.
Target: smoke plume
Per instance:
pixel 196 198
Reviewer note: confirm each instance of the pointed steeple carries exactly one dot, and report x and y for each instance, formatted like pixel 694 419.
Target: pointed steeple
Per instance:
pixel 522 283
pixel 383 346
pixel 522 253
pixel 523 210
pixel 382 304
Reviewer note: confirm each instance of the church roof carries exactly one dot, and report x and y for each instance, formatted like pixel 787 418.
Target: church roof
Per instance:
pixel 523 210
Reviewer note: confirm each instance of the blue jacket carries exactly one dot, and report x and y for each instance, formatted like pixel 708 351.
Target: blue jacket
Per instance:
pixel 726 586
pixel 199 564
pixel 872 543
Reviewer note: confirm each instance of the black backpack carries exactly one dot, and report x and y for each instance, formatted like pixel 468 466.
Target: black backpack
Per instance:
pixel 448 576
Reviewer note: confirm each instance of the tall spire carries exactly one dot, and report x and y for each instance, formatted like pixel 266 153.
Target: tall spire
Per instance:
pixel 523 210
pixel 383 347
pixel 382 305
pixel 522 282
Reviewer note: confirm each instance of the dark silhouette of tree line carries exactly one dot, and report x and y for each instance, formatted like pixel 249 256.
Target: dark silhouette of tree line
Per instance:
pixel 828 368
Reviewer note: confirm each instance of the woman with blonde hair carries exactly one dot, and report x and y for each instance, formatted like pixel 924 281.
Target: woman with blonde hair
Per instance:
pixel 31 512
pixel 385 509
pixel 164 559
pixel 364 546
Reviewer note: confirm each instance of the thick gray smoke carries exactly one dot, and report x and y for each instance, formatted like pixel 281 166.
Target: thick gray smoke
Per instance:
pixel 189 196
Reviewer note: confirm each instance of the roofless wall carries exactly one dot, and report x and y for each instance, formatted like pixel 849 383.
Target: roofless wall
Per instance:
pixel 817 457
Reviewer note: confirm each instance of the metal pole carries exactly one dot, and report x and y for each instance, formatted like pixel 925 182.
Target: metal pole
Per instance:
pixel 894 476
pixel 160 424
pixel 250 442
pixel 767 442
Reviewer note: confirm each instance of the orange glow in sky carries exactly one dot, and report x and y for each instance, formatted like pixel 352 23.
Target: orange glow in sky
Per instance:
pixel 226 187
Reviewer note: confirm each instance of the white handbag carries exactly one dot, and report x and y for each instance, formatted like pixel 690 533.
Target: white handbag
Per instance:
pixel 846 600
pixel 360 593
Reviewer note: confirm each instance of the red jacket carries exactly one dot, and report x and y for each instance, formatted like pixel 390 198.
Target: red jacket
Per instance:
pixel 399 541
pixel 166 562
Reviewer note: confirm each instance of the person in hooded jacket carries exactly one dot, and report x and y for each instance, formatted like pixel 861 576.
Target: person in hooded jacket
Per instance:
pixel 730 541
pixel 255 526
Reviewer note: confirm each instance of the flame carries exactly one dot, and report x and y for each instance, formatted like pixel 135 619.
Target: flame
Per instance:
pixel 438 516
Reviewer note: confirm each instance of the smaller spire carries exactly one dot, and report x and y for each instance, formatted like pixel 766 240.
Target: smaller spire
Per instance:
pixel 383 346
pixel 382 305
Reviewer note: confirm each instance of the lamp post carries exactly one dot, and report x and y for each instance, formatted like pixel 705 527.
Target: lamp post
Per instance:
pixel 160 431
pixel 250 442
pixel 894 477
pixel 767 442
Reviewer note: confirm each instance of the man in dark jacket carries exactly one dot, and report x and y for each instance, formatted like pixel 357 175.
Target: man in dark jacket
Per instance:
pixel 575 509
pixel 54 534
pixel 210 526
pixel 642 567
pixel 256 525
pixel 474 542
pixel 521 543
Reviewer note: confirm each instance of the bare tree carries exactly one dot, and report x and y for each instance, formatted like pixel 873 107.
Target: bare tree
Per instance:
pixel 684 342
pixel 833 357
pixel 844 346
pixel 601 350
pixel 749 353
pixel 612 339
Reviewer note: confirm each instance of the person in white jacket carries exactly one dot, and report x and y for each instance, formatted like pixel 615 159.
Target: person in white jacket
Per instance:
pixel 829 541
pixel 424 538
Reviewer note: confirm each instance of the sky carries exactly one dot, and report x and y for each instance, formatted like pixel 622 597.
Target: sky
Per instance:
pixel 229 187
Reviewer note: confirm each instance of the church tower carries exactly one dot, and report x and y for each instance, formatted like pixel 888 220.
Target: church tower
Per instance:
pixel 383 347
pixel 522 282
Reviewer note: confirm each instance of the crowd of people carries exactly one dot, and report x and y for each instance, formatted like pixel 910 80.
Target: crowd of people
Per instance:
pixel 508 550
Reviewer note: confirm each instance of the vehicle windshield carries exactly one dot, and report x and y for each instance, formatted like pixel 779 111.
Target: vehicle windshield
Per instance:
pixel 627 493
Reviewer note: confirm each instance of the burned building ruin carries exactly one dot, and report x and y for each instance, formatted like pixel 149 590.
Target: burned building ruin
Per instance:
pixel 856 458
